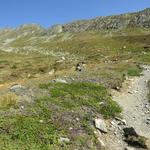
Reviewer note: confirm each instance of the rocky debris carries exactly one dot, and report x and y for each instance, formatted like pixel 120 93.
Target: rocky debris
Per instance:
pixel 101 125
pixel 102 145
pixel 51 72
pixel 99 137
pixel 146 106
pixel 41 121
pixel 123 121
pixel 26 95
pixel 130 92
pixel 135 91
pixel 117 88
pixel 64 140
pixel 17 88
pixel 135 106
pixel 28 75
pixel 124 47
pixel 78 67
pixel 139 19
pixel 56 29
pixel 113 123
pixel 148 121
pixel 22 107
pixel 116 127
pixel 133 139
pixel 63 58
pixel 60 81
pixel 129 148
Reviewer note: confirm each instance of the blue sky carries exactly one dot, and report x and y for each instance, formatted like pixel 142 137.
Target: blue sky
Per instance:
pixel 50 12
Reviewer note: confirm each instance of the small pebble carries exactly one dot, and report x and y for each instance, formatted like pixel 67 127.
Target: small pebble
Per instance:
pixel 41 121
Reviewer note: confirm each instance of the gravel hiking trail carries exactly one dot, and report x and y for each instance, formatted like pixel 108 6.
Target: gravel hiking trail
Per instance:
pixel 134 102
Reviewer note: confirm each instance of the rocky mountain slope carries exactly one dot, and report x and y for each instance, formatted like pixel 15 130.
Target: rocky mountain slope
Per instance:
pixel 27 37
pixel 139 19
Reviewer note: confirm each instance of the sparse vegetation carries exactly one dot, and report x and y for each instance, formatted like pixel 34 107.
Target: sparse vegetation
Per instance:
pixel 134 71
pixel 77 95
pixel 13 66
pixel 51 117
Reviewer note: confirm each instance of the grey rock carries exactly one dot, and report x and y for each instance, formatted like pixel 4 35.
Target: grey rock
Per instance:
pixel 139 19
pixel 51 72
pixel 78 67
pixel 115 133
pixel 148 119
pixel 56 29
pixel 18 89
pixel 123 121
pixel 64 140
pixel 60 80
pixel 129 148
pixel 113 123
pixel 101 125
pixel 21 107
pixel 101 143
pixel 16 86
pixel 41 121
pixel 130 92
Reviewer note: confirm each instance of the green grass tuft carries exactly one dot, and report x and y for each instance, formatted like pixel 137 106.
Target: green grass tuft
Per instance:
pixel 134 71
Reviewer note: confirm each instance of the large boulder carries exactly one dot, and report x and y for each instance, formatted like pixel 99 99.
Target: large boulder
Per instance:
pixel 134 139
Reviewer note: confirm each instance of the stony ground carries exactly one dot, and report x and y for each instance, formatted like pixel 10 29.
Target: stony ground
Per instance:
pixel 136 109
pixel 135 103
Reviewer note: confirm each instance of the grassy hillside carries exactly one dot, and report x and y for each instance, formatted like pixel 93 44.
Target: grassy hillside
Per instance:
pixel 65 109
pixel 117 51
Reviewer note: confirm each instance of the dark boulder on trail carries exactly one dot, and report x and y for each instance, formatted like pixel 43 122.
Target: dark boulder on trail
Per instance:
pixel 134 139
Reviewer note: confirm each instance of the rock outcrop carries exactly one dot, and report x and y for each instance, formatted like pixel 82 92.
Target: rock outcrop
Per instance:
pixel 139 19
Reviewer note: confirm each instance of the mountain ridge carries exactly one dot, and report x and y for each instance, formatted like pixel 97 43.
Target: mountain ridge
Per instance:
pixel 137 19
pixel 134 19
pixel 34 38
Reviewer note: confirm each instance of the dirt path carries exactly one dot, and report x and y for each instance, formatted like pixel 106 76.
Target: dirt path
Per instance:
pixel 133 99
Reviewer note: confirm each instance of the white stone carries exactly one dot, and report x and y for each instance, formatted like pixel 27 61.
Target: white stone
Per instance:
pixel 100 124
pixel 63 139
pixel 41 121
pixel 60 80
pixel 101 142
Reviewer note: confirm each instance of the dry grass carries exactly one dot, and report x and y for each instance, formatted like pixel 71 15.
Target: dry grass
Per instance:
pixel 8 100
